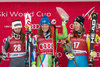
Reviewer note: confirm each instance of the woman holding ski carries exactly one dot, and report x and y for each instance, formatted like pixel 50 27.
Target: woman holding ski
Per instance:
pixel 79 43
pixel 44 42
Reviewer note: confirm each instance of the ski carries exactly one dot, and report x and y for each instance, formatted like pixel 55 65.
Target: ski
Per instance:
pixel 38 51
pixel 54 38
pixel 53 27
pixel 92 36
pixel 28 40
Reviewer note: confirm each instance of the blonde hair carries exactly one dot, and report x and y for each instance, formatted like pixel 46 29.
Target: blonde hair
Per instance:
pixel 82 30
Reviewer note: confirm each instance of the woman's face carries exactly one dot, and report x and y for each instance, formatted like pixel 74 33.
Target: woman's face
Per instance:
pixel 76 26
pixel 17 30
pixel 45 27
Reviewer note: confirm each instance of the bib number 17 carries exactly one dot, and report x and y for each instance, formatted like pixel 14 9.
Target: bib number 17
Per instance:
pixel 76 44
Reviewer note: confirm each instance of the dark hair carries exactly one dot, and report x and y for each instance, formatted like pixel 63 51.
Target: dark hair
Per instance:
pixel 21 33
pixel 22 36
pixel 40 32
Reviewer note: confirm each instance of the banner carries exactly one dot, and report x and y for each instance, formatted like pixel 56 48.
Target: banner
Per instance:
pixel 10 11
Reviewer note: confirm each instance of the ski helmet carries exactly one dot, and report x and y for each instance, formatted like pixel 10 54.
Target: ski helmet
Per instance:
pixel 16 24
pixel 80 20
pixel 45 20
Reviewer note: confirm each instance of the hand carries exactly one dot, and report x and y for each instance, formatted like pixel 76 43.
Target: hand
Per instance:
pixel 65 19
pixel 93 54
pixel 4 54
pixel 98 42
pixel 33 64
pixel 70 56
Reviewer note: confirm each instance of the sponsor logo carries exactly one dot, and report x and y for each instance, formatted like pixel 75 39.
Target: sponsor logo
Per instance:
pixel 89 13
pixel 71 26
pixel 93 29
pixel 98 26
pixel 59 54
pixel 98 54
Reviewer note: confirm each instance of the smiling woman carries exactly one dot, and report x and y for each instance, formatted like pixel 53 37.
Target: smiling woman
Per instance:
pixel 44 25
pixel 80 43
pixel 78 25
pixel 45 42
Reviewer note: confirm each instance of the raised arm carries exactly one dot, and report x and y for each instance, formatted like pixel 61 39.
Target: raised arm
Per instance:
pixel 64 34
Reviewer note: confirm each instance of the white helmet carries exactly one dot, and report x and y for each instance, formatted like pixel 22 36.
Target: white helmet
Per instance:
pixel 16 24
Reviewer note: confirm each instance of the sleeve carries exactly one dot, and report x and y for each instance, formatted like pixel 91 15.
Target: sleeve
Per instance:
pixel 88 42
pixel 97 39
pixel 64 35
pixel 6 44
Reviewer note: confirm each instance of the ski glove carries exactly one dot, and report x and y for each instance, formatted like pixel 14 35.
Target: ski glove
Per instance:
pixel 3 56
pixel 70 56
pixel 33 64
pixel 66 19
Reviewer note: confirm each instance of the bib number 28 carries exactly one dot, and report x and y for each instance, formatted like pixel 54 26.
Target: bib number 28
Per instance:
pixel 17 47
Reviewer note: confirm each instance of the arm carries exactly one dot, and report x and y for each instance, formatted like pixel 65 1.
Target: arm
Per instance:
pixel 64 35
pixel 88 42
pixel 6 44
pixel 5 48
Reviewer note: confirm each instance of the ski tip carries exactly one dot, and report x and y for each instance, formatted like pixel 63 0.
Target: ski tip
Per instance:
pixel 27 15
pixel 93 15
pixel 57 8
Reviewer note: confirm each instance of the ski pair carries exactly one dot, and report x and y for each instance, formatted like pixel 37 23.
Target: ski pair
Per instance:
pixel 28 40
pixel 92 37
pixel 55 62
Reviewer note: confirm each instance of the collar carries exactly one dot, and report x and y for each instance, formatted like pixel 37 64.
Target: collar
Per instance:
pixel 46 35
